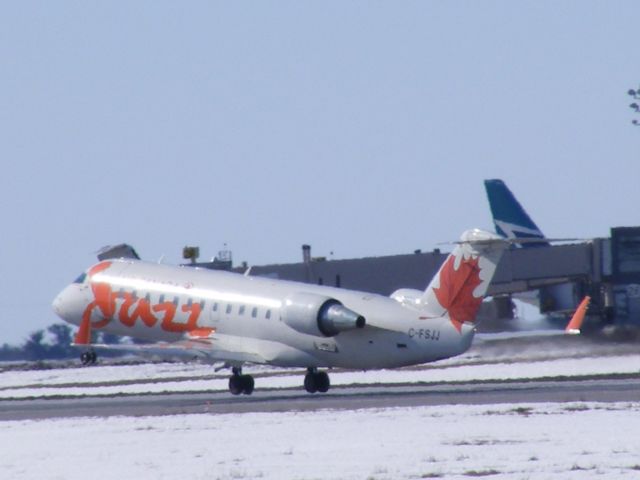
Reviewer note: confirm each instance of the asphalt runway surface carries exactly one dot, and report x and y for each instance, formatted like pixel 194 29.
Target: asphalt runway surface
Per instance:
pixel 610 389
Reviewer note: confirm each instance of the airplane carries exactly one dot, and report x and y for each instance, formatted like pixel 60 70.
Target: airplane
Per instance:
pixel 509 217
pixel 239 319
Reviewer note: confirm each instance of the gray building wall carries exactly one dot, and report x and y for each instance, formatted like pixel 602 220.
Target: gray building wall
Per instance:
pixel 606 269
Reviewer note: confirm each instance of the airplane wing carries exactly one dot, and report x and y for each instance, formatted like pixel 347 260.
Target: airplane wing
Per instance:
pixel 212 347
pixel 572 328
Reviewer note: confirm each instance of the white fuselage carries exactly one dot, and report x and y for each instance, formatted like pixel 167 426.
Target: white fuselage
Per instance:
pixel 163 303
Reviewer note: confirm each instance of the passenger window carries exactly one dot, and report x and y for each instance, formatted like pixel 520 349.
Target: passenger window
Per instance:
pixel 228 309
pixel 267 315
pixel 241 310
pixel 215 307
pixel 175 301
pixel 254 312
pixel 161 299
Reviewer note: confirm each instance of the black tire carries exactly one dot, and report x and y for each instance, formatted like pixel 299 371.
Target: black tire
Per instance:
pixel 247 384
pixel 310 383
pixel 85 358
pixel 93 357
pixel 235 385
pixel 322 382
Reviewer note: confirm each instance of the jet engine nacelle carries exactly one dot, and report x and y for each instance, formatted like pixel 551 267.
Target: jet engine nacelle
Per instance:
pixel 408 297
pixel 319 315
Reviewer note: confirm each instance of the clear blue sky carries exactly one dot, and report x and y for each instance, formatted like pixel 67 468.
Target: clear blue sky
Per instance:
pixel 362 128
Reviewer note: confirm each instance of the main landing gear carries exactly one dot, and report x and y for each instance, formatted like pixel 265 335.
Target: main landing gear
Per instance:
pixel 315 381
pixel 239 383
pixel 89 357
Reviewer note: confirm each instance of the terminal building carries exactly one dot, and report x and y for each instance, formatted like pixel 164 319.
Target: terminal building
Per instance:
pixel 558 277
pixel 554 277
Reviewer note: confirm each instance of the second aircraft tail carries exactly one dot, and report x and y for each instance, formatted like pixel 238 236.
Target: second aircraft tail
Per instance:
pixel 510 218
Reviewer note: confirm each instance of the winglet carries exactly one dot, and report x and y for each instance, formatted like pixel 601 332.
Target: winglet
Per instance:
pixel 574 325
pixel 83 337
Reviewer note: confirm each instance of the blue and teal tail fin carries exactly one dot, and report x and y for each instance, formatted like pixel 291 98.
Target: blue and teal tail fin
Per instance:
pixel 509 218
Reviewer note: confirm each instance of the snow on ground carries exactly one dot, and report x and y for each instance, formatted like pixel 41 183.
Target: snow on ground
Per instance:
pixel 538 441
pixel 165 377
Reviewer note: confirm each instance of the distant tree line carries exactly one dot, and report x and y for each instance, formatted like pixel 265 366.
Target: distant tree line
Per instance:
pixel 56 345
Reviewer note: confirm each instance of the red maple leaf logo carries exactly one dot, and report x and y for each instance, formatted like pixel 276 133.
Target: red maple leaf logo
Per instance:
pixel 455 292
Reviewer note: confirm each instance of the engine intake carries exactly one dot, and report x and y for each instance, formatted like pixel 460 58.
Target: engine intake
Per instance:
pixel 319 315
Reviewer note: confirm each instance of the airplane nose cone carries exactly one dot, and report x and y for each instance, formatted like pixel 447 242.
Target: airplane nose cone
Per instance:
pixel 68 304
pixel 57 304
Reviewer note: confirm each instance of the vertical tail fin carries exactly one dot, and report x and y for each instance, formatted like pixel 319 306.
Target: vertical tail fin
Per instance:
pixel 510 219
pixel 463 279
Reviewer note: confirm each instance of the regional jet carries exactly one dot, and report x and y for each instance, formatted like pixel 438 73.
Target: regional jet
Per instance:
pixel 237 319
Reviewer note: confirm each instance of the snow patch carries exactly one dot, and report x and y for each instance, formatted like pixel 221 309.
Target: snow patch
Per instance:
pixel 537 441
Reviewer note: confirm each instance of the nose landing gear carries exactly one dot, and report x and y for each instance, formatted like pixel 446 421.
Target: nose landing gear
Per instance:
pixel 89 357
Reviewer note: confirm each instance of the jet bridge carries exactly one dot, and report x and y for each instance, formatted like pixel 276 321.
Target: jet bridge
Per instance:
pixel 520 270
pixel 607 269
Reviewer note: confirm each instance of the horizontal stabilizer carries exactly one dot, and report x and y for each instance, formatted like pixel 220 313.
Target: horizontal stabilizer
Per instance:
pixel 514 241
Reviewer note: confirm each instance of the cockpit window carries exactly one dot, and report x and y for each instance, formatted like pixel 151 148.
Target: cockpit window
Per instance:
pixel 80 278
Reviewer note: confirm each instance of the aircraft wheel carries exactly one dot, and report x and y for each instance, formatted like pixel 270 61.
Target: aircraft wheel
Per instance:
pixel 85 358
pixel 236 385
pixel 322 382
pixel 93 357
pixel 310 383
pixel 247 384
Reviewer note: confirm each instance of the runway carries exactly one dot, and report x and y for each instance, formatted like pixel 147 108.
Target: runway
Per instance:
pixel 621 388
